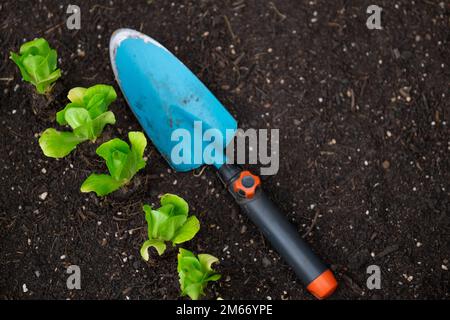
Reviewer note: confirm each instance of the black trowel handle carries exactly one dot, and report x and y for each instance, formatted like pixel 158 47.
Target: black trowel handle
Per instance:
pixel 245 188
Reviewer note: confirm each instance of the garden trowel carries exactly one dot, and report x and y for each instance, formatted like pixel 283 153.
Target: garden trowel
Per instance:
pixel 170 102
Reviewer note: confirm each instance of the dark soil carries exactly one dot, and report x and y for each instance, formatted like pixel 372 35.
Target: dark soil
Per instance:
pixel 364 125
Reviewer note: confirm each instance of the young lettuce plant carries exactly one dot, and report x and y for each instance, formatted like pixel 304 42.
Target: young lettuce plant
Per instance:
pixel 122 161
pixel 38 64
pixel 87 114
pixel 95 100
pixel 195 273
pixel 170 222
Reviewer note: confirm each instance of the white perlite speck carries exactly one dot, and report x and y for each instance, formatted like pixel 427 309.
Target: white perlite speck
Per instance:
pixel 24 288
pixel 43 195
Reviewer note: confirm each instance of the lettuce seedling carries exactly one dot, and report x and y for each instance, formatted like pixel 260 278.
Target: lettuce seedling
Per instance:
pixel 38 64
pixel 122 161
pixel 168 223
pixel 195 273
pixel 86 114
pixel 95 100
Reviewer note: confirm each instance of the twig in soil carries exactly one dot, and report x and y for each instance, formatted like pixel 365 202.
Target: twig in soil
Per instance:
pixel 239 7
pixel 15 134
pixel 388 251
pixel 119 219
pixel 363 88
pixel 277 12
pixel 352 97
pixel 200 173
pixel 51 29
pixel 238 59
pixel 95 6
pixel 349 281
pixel 133 230
pixel 279 115
pixel 91 78
pixel 334 25
pixel 85 160
pixel 230 30
pixel 313 224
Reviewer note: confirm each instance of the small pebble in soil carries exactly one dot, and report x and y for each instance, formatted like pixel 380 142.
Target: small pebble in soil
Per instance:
pixel 63 257
pixel 81 53
pixel 43 195
pixel 37 273
pixel 24 288
pixel 418 244
pixel 266 262
pixel 444 267
pixel 44 171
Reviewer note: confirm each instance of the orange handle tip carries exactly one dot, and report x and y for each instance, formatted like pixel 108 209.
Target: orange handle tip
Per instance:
pixel 323 286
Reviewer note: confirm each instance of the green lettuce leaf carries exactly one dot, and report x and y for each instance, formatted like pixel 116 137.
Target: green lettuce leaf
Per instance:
pixel 57 144
pixel 159 245
pixel 95 100
pixel 170 222
pixel 195 273
pixel 37 63
pixel 86 122
pixel 101 184
pixel 118 156
pixel 84 128
pixel 187 231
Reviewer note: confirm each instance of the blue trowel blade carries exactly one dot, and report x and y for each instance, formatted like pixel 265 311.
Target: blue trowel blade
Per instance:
pixel 165 96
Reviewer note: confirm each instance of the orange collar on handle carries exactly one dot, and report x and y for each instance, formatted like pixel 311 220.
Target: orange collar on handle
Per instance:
pixel 323 286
